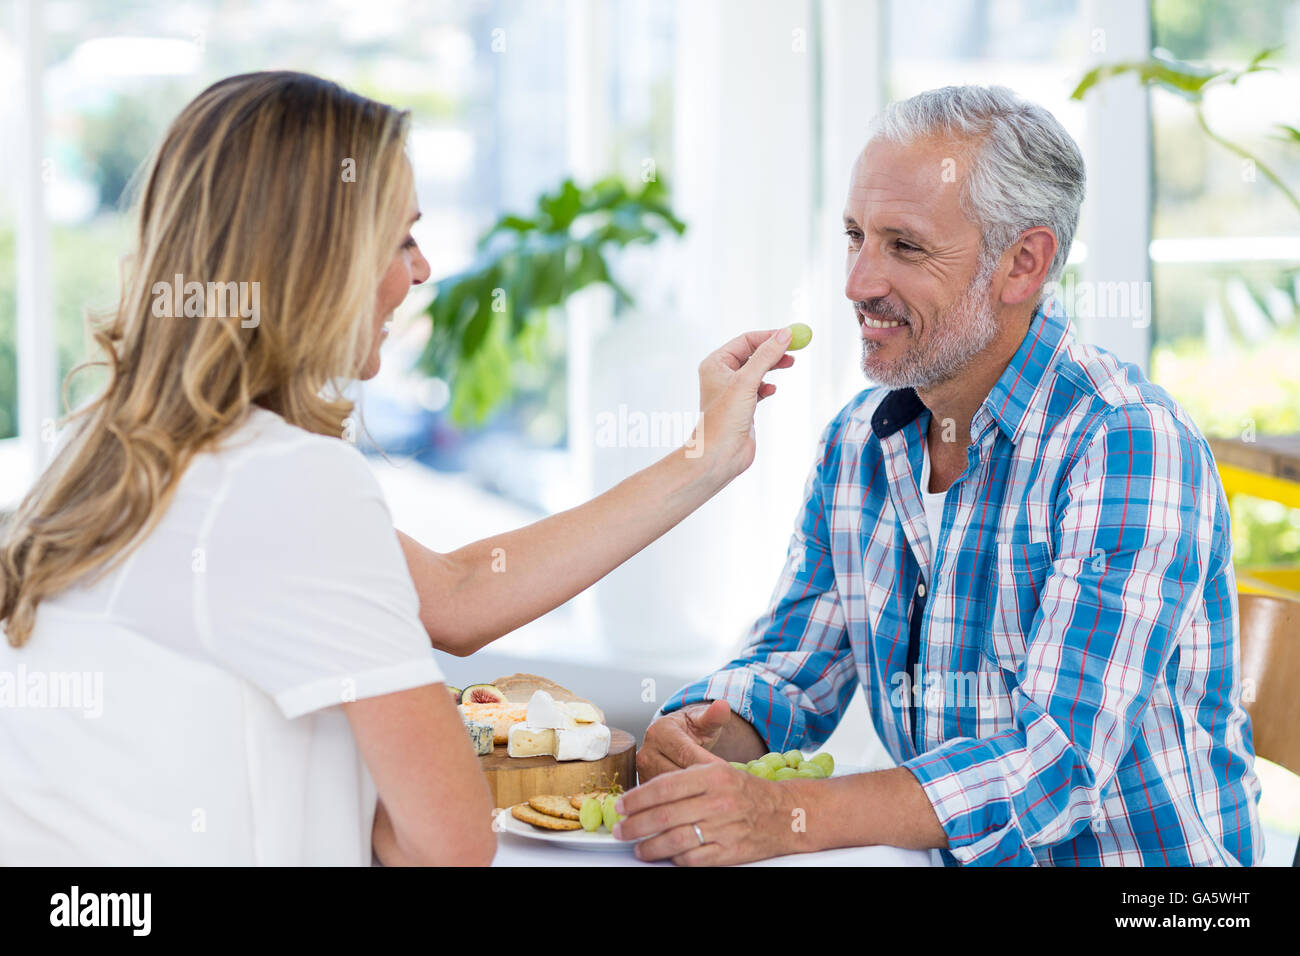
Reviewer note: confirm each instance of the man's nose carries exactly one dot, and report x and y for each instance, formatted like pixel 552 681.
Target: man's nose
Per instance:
pixel 866 279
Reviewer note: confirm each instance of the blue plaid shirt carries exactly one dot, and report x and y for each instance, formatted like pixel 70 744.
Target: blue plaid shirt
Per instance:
pixel 1063 676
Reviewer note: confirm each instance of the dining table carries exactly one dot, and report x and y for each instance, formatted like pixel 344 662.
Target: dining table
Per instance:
pixel 516 850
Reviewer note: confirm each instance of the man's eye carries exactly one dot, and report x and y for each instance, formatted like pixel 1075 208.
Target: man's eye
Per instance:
pixel 854 236
pixel 409 243
pixel 904 246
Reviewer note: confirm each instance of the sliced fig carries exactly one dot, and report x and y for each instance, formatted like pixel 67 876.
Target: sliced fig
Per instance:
pixel 482 694
pixel 455 693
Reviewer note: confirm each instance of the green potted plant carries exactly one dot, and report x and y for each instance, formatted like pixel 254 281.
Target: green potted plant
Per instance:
pixel 490 316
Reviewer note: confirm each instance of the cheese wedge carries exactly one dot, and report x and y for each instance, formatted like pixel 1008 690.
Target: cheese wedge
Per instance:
pixel 545 711
pixel 481 735
pixel 585 742
pixel 527 741
pixel 582 712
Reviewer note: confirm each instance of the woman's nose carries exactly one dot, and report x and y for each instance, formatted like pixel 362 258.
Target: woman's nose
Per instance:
pixel 420 270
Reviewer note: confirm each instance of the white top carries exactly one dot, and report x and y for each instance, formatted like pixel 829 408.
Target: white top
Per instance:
pixel 184 709
pixel 933 505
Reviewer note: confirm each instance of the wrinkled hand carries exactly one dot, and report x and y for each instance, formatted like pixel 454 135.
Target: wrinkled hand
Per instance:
pixel 731 386
pixel 682 739
pixel 740 817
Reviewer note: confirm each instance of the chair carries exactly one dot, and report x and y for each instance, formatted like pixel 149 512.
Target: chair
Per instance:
pixel 1270 661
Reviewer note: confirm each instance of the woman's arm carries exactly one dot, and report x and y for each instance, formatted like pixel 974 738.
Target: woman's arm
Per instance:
pixel 472 596
pixel 435 808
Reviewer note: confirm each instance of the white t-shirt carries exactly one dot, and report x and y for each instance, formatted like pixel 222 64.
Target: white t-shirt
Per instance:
pixel 933 504
pixel 190 713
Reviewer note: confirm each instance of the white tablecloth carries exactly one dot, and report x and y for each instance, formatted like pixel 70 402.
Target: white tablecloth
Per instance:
pixel 515 850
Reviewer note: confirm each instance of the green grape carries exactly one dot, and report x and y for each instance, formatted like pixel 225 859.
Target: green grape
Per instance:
pixel 785 773
pixel 591 815
pixel 826 762
pixel 611 815
pixel 793 758
pixel 774 760
pixel 810 773
pixel 800 335
pixel 812 768
pixel 760 769
pixel 740 766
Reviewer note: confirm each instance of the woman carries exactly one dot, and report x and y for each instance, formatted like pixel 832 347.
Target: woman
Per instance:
pixel 240 659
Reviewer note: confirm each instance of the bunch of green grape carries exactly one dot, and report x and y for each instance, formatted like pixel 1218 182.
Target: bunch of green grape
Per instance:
pixel 791 765
pixel 596 811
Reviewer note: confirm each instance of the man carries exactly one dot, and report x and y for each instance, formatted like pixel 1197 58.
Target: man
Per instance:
pixel 1016 544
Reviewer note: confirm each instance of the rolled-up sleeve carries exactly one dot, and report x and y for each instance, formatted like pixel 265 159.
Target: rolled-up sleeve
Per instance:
pixel 795 675
pixel 1130 563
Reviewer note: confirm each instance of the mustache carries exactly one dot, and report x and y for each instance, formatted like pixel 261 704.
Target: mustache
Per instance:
pixel 882 309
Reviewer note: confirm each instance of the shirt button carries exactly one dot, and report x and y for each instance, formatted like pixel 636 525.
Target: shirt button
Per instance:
pixel 920 590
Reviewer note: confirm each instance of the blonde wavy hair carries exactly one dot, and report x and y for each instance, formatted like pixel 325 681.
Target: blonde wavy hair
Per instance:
pixel 277 178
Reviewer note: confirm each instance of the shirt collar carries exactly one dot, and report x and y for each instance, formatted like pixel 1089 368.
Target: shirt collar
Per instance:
pixel 1012 394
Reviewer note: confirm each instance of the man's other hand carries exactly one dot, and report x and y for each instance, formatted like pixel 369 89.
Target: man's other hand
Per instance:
pixel 682 739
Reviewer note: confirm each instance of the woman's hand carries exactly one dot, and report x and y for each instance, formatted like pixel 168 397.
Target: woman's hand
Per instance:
pixel 731 386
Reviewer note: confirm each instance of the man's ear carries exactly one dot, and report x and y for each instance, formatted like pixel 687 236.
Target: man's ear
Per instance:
pixel 1031 258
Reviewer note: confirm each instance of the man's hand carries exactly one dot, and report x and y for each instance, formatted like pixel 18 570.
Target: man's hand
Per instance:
pixel 682 739
pixel 739 817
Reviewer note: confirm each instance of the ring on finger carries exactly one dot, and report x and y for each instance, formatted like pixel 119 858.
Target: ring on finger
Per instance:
pixel 698 835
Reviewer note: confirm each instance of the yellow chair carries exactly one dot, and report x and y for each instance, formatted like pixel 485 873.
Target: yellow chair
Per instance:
pixel 1282 581
pixel 1262 468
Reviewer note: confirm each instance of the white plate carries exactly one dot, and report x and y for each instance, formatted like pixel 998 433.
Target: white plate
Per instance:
pixel 602 839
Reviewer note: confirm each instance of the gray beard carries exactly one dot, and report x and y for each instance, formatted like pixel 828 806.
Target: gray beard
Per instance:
pixel 959 334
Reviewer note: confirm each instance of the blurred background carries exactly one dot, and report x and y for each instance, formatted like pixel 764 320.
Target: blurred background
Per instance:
pixel 706 147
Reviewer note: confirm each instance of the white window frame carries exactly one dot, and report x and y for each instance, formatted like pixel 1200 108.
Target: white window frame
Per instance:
pixel 23 457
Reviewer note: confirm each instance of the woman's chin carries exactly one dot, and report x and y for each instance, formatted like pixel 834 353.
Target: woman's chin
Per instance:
pixel 371 368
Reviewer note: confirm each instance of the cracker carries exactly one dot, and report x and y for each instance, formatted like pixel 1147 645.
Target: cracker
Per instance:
pixel 553 805
pixel 542 821
pixel 577 799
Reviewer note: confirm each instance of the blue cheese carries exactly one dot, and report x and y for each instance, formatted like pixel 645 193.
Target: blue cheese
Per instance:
pixel 480 735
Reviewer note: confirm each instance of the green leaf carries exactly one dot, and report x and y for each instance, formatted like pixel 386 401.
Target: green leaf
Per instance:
pixel 590 267
pixel 507 225
pixel 1183 79
pixel 1260 57
pixel 1289 133
pixel 476 331
pixel 561 208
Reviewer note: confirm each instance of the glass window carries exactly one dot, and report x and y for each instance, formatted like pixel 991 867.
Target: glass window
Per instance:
pixel 9 80
pixel 1225 245
pixel 485 82
pixel 967 41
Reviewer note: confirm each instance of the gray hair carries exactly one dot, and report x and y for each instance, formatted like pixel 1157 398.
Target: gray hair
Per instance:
pixel 1026 170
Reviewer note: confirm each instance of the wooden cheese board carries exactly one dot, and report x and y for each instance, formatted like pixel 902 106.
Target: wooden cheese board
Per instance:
pixel 515 779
